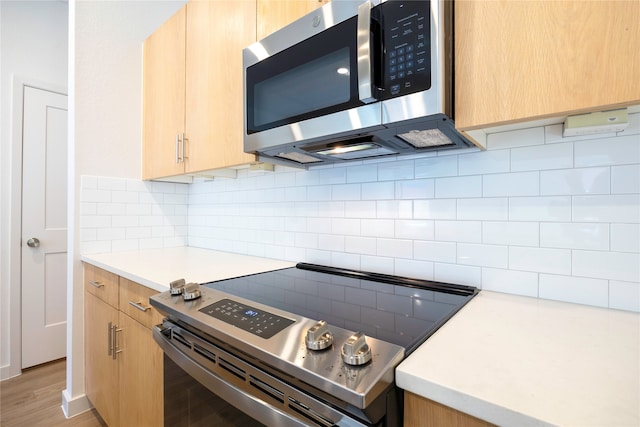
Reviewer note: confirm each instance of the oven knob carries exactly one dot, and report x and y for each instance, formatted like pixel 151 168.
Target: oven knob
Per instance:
pixel 191 291
pixel 356 351
pixel 176 287
pixel 319 336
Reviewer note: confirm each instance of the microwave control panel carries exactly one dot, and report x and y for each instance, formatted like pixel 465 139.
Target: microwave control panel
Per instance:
pixel 407 47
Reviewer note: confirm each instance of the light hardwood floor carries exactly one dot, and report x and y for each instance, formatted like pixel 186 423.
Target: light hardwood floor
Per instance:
pixel 34 399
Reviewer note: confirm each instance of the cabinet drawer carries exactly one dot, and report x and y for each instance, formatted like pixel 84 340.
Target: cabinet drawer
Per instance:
pixel 102 284
pixel 134 301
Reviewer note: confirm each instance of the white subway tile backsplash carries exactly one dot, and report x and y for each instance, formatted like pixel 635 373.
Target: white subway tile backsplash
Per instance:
pixel 378 190
pixel 542 260
pixel 553 208
pixel 617 208
pixel 435 167
pixel 487 209
pixel 397 170
pixel 516 138
pixel 435 251
pixel 575 181
pixel 510 281
pixel 361 173
pixel 395 248
pixel 578 290
pixel 414 229
pixel 619 150
pixel 415 189
pixel 346 192
pixel 458 231
pixel 511 184
pixel 394 209
pixel 536 214
pixel 606 265
pixel 434 209
pixel 575 235
pixel 484 162
pixel 511 233
pixel 455 273
pixel 624 295
pixel 543 157
pixel 360 209
pixel 413 268
pixel 625 179
pixel 458 187
pixel 483 255
pixel 378 227
pixel 625 238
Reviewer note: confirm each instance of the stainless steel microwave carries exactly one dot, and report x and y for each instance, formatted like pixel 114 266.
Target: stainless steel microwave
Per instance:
pixel 350 81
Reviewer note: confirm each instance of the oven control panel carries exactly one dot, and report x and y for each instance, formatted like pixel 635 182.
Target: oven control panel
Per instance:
pixel 247 318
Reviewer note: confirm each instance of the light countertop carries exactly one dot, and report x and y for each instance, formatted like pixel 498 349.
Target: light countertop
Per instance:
pixel 518 361
pixel 156 268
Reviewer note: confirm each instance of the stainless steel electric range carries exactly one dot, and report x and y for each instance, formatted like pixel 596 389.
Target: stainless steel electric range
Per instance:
pixel 307 345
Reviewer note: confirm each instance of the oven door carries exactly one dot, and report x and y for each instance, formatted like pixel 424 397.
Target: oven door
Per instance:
pixel 312 79
pixel 206 385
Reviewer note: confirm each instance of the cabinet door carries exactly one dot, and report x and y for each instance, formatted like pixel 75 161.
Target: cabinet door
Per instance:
pixel 141 376
pixel 421 412
pixel 275 14
pixel 523 60
pixel 101 370
pixel 217 31
pixel 163 98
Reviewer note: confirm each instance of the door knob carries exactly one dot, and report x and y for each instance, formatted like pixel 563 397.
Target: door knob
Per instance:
pixel 33 242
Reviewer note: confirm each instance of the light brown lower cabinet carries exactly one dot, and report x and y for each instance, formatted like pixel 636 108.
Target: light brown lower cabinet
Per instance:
pixel 123 364
pixel 422 412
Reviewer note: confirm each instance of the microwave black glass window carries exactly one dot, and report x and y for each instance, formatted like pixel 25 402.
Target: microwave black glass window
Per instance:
pixel 315 77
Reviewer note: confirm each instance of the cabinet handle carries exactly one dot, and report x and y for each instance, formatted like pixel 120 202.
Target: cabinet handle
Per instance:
pixel 115 330
pixel 177 148
pixel 95 284
pixel 184 142
pixel 110 340
pixel 139 306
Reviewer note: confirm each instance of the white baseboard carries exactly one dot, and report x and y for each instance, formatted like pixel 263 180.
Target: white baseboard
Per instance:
pixel 8 371
pixel 74 406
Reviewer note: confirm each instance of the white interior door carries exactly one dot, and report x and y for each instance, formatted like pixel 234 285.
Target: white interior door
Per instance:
pixel 44 226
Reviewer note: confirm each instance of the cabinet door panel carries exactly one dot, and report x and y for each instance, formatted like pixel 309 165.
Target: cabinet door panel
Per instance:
pixel 141 376
pixel 525 60
pixel 217 31
pixel 101 371
pixel 275 14
pixel 163 98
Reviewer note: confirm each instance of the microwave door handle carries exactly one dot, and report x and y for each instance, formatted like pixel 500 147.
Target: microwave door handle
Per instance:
pixel 364 53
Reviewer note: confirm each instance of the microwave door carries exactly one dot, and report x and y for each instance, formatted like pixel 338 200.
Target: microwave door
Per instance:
pixel 309 90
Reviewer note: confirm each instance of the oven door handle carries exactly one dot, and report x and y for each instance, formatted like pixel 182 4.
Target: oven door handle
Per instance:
pixel 364 53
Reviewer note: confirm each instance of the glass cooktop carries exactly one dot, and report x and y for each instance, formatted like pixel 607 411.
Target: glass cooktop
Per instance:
pixel 398 310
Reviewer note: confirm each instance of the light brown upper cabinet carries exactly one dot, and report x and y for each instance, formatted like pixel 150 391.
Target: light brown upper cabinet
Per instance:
pixel 518 61
pixel 275 14
pixel 193 97
pixel 163 99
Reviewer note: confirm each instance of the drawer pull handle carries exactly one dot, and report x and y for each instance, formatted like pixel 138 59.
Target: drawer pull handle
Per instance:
pixel 96 284
pixel 139 306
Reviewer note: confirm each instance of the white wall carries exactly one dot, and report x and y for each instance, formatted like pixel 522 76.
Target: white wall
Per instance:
pixel 106 133
pixel 33 46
